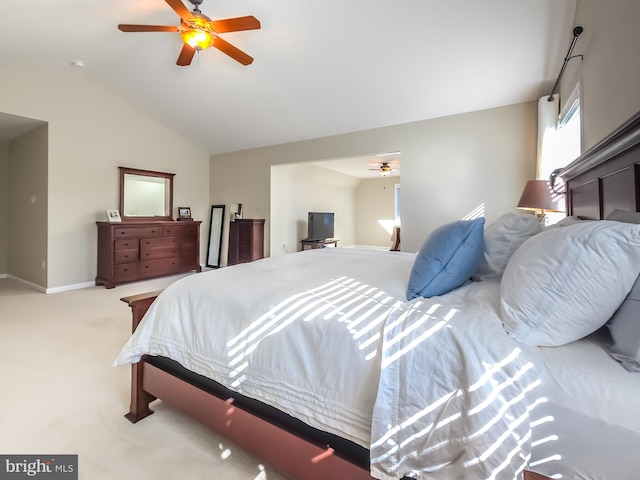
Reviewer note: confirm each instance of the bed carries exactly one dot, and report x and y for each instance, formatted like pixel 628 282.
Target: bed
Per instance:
pixel 428 388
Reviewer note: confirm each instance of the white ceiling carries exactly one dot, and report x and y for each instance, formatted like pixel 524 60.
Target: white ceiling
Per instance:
pixel 364 167
pixel 321 67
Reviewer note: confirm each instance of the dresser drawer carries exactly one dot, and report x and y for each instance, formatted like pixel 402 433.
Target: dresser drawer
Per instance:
pixel 161 266
pixel 137 232
pixel 129 244
pixel 125 256
pixel 181 230
pixel 152 248
pixel 125 272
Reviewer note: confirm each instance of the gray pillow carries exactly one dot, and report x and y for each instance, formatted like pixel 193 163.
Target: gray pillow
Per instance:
pixel 501 239
pixel 624 328
pixel 624 216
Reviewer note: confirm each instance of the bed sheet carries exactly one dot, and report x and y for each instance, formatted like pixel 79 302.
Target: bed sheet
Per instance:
pixel 457 396
pixel 589 425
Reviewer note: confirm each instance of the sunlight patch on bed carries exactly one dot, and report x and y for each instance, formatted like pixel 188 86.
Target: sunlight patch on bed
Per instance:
pixel 508 398
pixel 360 308
pixel 412 326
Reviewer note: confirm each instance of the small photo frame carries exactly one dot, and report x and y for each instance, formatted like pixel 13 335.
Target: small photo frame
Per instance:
pixel 184 213
pixel 113 216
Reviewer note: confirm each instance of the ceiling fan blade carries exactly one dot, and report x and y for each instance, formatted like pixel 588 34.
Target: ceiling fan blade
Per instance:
pixel 232 51
pixel 186 55
pixel 235 24
pixel 182 11
pixel 147 28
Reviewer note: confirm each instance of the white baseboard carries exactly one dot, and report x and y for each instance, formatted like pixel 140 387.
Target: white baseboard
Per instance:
pixel 65 288
pixel 42 289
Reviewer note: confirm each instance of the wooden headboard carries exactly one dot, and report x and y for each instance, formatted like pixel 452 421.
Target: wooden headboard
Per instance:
pixel 607 176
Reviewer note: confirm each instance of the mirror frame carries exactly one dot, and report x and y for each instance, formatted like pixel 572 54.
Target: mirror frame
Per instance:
pixel 216 227
pixel 147 173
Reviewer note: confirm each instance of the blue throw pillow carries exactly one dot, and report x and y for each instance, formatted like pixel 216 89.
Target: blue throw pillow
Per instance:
pixel 447 259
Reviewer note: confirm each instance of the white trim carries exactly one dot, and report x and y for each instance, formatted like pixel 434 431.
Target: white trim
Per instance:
pixel 76 286
pixel 397 200
pixel 570 106
pixel 42 289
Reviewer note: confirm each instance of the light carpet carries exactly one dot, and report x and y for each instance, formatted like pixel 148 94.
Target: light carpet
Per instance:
pixel 60 393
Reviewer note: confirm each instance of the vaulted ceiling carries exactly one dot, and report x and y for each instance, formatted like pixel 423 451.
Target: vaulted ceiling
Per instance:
pixel 320 67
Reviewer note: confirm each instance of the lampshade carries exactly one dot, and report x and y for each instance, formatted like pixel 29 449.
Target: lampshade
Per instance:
pixel 537 196
pixel 196 38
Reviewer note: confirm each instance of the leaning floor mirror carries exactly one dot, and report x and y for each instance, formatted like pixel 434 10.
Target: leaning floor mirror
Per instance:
pixel 216 222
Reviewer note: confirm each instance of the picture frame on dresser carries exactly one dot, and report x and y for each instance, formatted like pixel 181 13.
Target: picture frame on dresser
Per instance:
pixel 113 215
pixel 214 247
pixel 184 213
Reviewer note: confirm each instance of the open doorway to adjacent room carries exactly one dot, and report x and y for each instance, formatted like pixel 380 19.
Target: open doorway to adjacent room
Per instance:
pixel 364 193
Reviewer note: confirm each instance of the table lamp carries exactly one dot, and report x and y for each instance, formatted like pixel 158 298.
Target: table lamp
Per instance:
pixel 537 196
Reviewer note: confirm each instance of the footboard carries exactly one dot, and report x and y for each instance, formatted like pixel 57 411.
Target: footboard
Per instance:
pixel 140 399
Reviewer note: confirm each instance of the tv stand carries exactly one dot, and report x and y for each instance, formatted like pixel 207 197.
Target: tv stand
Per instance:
pixel 318 243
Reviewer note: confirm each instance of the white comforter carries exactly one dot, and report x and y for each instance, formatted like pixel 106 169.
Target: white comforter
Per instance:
pixel 433 387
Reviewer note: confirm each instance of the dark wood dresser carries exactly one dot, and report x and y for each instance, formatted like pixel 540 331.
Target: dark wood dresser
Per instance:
pixel 246 240
pixel 130 251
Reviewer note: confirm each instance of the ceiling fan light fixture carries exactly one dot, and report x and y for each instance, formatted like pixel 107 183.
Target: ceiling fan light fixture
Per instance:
pixel 385 170
pixel 196 38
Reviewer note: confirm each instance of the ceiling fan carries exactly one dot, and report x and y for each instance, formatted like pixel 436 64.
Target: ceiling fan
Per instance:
pixel 384 169
pixel 199 32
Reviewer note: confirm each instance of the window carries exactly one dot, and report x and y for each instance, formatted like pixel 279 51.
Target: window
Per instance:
pixel 397 203
pixel 568 133
pixel 562 143
pixel 559 141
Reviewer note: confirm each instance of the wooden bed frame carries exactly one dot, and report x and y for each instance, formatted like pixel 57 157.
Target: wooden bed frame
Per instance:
pixel 605 178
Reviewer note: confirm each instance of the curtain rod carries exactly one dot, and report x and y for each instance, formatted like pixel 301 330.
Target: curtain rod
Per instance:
pixel 576 33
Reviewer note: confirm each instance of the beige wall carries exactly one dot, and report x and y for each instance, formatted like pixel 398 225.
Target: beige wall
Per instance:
pixel 610 72
pixel 299 189
pixel 450 166
pixel 4 208
pixel 375 211
pixel 28 199
pixel 91 133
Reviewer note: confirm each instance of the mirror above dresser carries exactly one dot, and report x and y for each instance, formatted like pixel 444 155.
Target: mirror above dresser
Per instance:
pixel 145 195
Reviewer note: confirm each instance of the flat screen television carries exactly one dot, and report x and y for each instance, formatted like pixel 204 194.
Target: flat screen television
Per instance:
pixel 320 226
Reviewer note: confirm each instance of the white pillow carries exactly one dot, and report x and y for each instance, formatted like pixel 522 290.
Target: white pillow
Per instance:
pixel 501 239
pixel 565 283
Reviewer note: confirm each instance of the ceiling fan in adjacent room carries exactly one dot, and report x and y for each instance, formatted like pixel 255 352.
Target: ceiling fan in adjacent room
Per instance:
pixel 199 32
pixel 384 169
